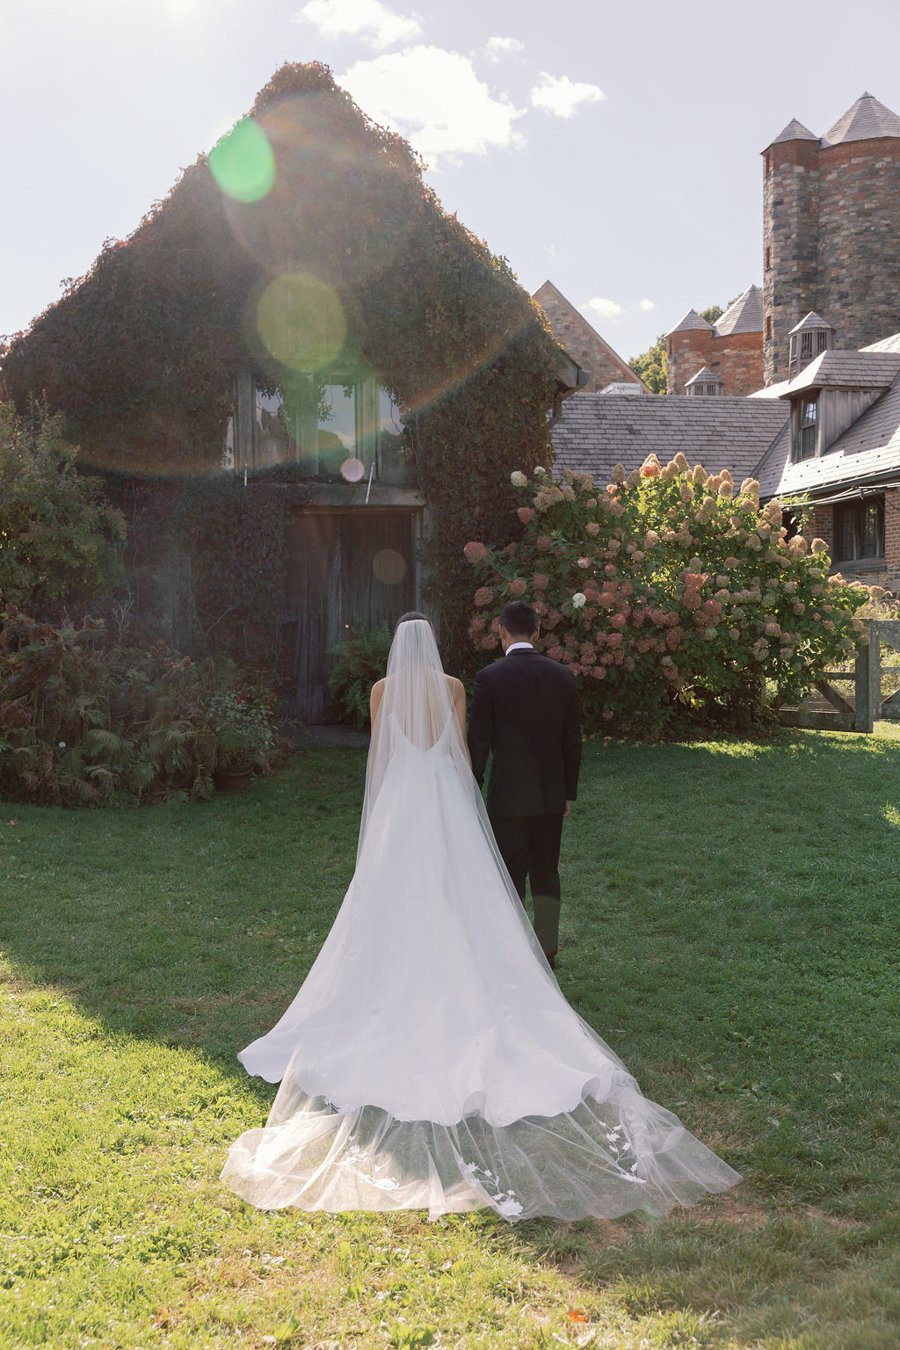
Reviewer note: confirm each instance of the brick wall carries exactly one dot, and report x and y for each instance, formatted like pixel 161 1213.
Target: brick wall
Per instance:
pixel 737 357
pixel 821 525
pixel 892 528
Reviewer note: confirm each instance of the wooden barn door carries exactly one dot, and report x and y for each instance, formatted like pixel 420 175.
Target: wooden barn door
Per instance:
pixel 349 572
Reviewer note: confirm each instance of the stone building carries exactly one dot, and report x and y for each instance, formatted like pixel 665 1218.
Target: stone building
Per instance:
pixel 599 363
pixel 831 212
pixel 732 349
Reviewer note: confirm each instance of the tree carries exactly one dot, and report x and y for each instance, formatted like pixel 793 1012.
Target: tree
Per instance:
pixel 651 365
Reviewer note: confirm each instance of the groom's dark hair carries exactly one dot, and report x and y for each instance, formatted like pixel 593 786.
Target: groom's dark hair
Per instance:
pixel 519 619
pixel 410 614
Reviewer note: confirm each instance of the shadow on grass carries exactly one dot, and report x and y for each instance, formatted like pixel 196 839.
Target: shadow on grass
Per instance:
pixel 726 905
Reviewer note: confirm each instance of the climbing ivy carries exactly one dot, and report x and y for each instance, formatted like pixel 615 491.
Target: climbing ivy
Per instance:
pixel 142 353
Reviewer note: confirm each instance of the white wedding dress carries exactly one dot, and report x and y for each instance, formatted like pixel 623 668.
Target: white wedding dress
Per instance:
pixel 429 1060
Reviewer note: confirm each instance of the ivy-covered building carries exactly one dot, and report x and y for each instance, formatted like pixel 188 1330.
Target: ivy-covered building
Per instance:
pixel 307 385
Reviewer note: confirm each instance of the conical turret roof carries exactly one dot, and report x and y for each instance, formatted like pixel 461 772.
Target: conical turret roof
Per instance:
pixel 691 320
pixel 705 376
pixel 794 131
pixel 812 320
pixel 744 316
pixel 866 120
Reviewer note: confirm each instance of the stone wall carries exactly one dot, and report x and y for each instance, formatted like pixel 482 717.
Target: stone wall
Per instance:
pixel 831 220
pixel 790 245
pixel 858 253
pixel 584 345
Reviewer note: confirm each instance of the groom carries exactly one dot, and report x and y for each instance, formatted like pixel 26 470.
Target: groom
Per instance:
pixel 525 714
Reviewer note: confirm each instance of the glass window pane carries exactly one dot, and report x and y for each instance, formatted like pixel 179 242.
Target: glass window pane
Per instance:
pixel 336 421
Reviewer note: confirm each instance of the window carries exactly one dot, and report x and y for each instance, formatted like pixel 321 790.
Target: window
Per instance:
pixel 712 388
pixel 807 423
pixel 340 425
pixel 821 341
pixel 768 164
pixel 768 258
pixel 859 530
pixel 806 348
pixel 769 326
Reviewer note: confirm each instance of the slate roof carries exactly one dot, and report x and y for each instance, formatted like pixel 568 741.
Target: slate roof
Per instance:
pixel 620 387
pixel 812 320
pixel 868 451
pixel 794 131
pixel 744 316
pixel 888 344
pixel 706 376
pixel 691 320
pixel 847 370
pixel 866 120
pixel 594 432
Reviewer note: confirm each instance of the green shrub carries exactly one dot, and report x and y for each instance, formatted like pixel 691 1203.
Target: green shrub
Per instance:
pixel 58 535
pixel 86 720
pixel 361 661
pixel 669 589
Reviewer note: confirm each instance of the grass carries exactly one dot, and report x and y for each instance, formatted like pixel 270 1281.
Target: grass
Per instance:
pixel 729 910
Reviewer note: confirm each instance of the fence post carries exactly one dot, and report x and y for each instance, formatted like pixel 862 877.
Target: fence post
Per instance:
pixel 868 681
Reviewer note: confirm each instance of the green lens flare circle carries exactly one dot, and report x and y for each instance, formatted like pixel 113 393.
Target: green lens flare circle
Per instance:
pixel 243 163
pixel 300 320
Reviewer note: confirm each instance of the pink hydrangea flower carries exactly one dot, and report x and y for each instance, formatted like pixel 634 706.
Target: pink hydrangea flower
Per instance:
pixel 474 551
pixel 543 543
pixel 526 514
pixel 517 586
pixel 483 596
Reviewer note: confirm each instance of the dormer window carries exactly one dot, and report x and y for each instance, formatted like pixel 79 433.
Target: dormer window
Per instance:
pixel 807 422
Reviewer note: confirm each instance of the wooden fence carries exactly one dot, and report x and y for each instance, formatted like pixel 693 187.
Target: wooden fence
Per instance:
pixel 861 700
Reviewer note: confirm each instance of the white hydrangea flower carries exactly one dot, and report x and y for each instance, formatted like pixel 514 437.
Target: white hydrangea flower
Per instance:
pixel 518 479
pixel 579 600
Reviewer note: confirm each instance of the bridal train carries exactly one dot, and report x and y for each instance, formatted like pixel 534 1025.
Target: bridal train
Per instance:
pixel 429 1060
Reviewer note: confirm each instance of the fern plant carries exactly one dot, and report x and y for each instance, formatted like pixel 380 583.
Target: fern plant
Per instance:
pixel 361 661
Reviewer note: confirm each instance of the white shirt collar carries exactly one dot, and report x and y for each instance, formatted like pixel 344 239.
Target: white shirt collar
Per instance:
pixel 519 647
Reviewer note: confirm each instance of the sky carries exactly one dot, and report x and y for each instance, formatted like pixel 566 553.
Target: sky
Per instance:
pixel 612 148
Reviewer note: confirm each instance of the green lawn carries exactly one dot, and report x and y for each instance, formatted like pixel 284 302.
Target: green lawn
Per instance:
pixel 729 910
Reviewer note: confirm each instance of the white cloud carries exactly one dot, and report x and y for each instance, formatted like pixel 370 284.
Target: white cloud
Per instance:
pixel 561 96
pixel 368 20
pixel 499 47
pixel 607 309
pixel 647 304
pixel 435 99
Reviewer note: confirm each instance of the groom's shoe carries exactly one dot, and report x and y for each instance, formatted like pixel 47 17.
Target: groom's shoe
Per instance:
pixel 551 960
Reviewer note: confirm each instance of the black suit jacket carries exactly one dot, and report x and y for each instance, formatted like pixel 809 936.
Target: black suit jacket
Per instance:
pixel 525 715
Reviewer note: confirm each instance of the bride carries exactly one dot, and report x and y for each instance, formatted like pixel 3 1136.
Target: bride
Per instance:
pixel 429 1060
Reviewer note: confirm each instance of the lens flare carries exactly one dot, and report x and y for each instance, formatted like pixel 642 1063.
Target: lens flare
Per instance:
pixel 389 566
pixel 243 164
pixel 353 470
pixel 300 320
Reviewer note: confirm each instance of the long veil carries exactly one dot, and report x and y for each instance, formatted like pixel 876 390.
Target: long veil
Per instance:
pixel 429 1059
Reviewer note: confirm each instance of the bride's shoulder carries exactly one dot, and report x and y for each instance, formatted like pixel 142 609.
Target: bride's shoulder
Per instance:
pixel 453 682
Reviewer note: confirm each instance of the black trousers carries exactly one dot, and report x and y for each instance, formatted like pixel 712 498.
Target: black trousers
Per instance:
pixel 530 849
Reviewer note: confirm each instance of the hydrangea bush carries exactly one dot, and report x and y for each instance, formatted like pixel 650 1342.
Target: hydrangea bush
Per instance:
pixel 669 588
